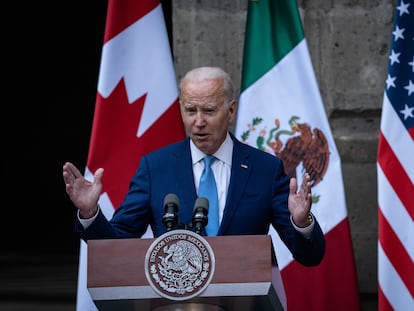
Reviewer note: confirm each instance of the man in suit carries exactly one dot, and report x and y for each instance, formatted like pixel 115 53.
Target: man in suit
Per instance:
pixel 253 190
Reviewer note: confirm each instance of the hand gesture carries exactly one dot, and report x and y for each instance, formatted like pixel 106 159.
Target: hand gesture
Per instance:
pixel 300 202
pixel 83 193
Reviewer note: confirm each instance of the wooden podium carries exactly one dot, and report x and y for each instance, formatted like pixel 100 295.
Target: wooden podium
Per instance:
pixel 246 276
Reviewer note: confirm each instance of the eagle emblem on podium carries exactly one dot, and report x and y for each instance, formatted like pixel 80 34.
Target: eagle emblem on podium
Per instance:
pixel 179 265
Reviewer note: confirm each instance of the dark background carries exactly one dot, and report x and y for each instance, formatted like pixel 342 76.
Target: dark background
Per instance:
pixel 52 65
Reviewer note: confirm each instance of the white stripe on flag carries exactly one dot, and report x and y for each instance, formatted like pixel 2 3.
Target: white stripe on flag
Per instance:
pixel 392 285
pixel 138 55
pixel 397 216
pixel 271 92
pixel 398 137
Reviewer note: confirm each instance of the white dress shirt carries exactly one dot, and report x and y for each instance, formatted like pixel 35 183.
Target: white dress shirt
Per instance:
pixel 221 169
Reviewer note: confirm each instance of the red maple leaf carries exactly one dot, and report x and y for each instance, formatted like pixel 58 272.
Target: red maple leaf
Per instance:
pixel 114 143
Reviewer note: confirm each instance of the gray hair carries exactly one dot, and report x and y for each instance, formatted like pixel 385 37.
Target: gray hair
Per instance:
pixel 211 73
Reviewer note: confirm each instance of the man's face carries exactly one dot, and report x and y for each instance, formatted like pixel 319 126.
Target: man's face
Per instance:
pixel 205 115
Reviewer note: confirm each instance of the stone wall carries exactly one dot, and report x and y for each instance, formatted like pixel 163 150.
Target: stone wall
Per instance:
pixel 349 43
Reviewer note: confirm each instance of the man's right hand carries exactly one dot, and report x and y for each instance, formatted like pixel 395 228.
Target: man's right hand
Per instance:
pixel 83 193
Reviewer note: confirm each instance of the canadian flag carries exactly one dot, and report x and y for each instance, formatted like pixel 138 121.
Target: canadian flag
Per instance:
pixel 136 110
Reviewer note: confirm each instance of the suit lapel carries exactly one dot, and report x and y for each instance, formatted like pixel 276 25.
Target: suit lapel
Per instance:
pixel 185 177
pixel 240 171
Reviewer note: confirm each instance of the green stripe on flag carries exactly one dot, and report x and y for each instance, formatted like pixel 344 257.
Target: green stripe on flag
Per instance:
pixel 266 39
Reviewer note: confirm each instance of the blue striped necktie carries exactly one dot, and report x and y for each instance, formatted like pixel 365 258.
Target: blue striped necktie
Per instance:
pixel 208 189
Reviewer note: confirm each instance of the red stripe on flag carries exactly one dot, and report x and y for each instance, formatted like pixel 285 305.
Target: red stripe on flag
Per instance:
pixel 383 303
pixel 122 14
pixel 411 132
pixel 396 252
pixel 396 175
pixel 333 283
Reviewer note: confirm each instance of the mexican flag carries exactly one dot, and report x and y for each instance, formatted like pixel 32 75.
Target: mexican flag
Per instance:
pixel 281 112
pixel 136 109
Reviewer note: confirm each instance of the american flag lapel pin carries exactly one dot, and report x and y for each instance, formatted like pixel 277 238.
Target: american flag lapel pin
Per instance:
pixel 244 166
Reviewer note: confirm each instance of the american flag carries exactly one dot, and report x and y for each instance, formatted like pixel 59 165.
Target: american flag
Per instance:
pixel 395 169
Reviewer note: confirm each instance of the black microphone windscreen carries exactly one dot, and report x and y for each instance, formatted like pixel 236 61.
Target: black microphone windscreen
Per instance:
pixel 202 202
pixel 171 198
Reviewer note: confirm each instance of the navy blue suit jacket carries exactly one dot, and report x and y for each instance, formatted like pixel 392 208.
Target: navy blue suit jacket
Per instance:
pixel 257 198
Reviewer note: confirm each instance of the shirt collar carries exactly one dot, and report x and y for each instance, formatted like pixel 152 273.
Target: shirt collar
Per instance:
pixel 224 153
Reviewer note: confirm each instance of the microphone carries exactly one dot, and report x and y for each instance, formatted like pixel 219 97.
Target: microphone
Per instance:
pixel 200 212
pixel 170 218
